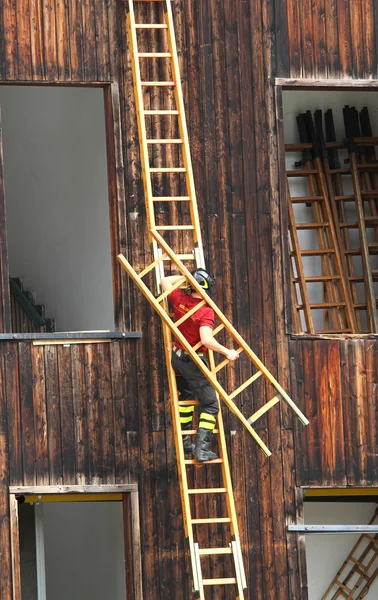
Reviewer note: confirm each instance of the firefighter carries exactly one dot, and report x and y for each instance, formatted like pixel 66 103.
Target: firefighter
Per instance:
pixel 191 382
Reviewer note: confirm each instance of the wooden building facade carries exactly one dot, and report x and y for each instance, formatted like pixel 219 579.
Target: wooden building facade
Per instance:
pixel 92 414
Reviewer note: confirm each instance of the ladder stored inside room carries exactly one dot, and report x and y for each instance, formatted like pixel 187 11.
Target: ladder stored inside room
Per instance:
pixel 360 569
pixel 175 236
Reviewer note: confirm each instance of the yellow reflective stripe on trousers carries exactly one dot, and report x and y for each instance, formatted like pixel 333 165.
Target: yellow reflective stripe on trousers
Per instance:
pixel 186 409
pixel 207 417
pixel 206 425
pixel 186 419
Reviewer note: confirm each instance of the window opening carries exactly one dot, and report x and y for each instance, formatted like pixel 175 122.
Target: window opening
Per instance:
pixel 57 209
pixel 332 190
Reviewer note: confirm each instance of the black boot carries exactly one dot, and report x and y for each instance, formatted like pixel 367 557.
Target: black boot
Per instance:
pixel 188 446
pixel 203 440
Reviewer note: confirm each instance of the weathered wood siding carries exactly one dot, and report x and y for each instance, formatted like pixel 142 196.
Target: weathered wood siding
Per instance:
pixel 335 383
pixel 99 413
pixel 330 38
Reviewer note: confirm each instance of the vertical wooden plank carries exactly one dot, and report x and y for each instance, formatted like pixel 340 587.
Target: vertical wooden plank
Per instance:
pixel 80 414
pixel 40 416
pixel 307 30
pixel 320 43
pixel 119 397
pixel 5 305
pixel 322 378
pixel 89 40
pixel 289 474
pixel 23 40
pixel 357 45
pixel 54 438
pixel 310 350
pixel 128 541
pixel 345 41
pixel 348 387
pixel 369 35
pixel 332 37
pixel 12 395
pixel 15 547
pixel 27 414
pixel 294 34
pixel 107 416
pixel 102 40
pixel 93 413
pixel 282 39
pixel 10 39
pixel 63 48
pixel 50 40
pixel 336 413
pixel 371 399
pixel 359 366
pixel 298 377
pixel 76 40
pixel 66 414
pixel 5 554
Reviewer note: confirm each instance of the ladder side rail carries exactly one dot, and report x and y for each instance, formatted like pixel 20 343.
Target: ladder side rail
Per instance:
pixel 182 475
pixel 226 477
pixel 336 188
pixel 183 126
pixel 164 315
pixel 231 330
pixel 335 239
pixel 145 162
pixel 368 276
pixel 330 288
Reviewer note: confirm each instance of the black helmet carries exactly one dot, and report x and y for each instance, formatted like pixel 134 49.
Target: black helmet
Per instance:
pixel 203 278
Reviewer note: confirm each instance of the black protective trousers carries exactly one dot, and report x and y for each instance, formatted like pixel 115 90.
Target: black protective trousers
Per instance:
pixel 193 384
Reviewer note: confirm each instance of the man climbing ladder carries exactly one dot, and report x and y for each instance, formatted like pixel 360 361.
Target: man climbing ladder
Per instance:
pixel 191 382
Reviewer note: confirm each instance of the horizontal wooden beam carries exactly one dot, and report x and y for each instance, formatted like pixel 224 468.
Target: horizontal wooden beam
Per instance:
pixel 72 335
pixel 40 490
pixel 345 84
pixel 333 528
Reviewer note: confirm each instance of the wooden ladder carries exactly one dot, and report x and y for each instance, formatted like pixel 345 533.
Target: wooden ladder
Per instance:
pixel 336 302
pixel 177 244
pixel 360 569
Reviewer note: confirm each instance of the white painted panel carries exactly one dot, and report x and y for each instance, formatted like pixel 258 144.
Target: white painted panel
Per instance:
pixel 325 554
pixel 57 201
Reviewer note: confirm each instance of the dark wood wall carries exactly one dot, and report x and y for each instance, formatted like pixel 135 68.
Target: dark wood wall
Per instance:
pixel 99 413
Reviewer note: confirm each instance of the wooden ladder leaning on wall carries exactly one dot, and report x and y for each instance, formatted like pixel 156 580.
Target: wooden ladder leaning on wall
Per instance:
pixel 187 249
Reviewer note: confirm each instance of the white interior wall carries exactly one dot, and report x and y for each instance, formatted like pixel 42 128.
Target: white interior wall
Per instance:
pixel 57 201
pixel 84 551
pixel 295 102
pixel 325 554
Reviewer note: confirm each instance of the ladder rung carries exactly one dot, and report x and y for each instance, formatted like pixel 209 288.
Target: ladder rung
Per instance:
pixel 215 331
pixel 367 166
pixel 305 199
pixel 171 289
pixel 344 198
pixel 318 278
pixel 220 581
pixel 183 257
pixel 174 227
pixel 165 141
pixel 190 313
pixel 225 362
pixel 208 491
pixel 157 83
pixel 167 170
pixel 211 520
pixel 191 461
pixel 150 25
pixel 154 54
pixel 161 112
pixel 245 384
pixel 210 551
pixel 170 198
pixel 152 265
pixel 339 171
pixel 311 225
pixel 369 193
pixel 356 278
pixel 318 252
pixel 264 408
pixel 323 305
pixel 301 173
